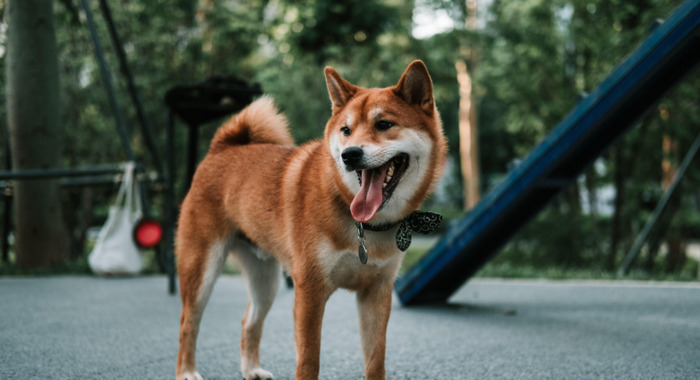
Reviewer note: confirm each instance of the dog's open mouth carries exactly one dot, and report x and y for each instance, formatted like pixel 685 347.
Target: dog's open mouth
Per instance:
pixel 376 187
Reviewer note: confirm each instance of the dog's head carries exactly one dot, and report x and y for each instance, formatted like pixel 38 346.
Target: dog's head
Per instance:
pixel 388 144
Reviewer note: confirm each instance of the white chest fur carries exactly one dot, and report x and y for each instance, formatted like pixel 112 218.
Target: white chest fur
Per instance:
pixel 345 270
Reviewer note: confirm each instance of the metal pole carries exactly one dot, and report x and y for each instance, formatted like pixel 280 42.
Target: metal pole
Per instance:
pixel 7 221
pixel 170 204
pixel 124 65
pixel 7 218
pixel 642 237
pixel 55 173
pixel 192 155
pixel 121 124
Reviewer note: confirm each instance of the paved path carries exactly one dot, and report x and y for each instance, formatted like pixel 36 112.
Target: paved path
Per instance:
pixel 92 328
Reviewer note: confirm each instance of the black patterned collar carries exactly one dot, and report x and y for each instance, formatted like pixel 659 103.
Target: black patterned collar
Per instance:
pixel 423 222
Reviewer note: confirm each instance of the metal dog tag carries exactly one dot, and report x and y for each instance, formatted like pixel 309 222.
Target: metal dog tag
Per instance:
pixel 362 251
pixel 362 248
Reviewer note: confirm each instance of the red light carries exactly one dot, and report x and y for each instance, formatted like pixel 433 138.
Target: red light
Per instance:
pixel 148 233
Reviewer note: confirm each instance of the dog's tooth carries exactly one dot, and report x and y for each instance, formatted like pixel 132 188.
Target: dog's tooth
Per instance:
pixel 390 171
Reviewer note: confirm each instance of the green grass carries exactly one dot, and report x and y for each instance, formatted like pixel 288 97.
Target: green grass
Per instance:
pixel 66 267
pixel 496 268
pixel 505 269
pixel 78 266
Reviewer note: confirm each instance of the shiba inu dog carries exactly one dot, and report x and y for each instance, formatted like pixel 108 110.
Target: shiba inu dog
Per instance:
pixel 333 212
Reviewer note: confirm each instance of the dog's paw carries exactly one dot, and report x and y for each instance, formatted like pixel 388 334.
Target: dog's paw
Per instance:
pixel 258 374
pixel 190 375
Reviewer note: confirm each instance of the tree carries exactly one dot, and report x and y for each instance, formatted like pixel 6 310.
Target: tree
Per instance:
pixel 468 130
pixel 36 133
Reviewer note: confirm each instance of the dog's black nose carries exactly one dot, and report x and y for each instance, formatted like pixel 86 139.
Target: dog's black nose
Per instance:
pixel 352 157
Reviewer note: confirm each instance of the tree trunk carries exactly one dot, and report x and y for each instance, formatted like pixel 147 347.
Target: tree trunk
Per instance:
pixel 36 133
pixel 468 132
pixel 468 138
pixel 620 180
pixel 591 182
pixel 669 170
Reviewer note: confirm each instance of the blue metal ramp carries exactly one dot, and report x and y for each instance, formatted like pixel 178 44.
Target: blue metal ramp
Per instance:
pixel 661 61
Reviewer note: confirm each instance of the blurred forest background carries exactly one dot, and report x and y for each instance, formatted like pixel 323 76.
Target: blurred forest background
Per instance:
pixel 529 62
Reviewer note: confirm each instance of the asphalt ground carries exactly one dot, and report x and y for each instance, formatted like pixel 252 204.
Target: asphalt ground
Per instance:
pixel 96 328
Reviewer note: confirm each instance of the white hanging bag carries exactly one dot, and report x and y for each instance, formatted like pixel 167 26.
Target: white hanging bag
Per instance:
pixel 115 252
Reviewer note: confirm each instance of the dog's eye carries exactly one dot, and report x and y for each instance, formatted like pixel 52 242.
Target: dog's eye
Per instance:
pixel 346 131
pixel 383 125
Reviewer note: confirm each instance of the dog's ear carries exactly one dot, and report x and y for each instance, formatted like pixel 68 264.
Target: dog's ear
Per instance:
pixel 339 89
pixel 415 87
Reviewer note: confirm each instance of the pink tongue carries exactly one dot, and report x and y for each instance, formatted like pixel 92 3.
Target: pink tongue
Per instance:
pixel 368 200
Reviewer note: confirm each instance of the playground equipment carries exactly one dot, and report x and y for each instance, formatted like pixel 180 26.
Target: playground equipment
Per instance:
pixel 212 99
pixel 146 232
pixel 196 105
pixel 659 63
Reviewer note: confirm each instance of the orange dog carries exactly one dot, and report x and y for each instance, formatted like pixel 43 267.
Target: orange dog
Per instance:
pixel 313 209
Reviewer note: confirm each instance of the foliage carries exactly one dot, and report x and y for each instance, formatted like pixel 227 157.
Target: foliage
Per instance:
pixel 537 58
pixel 325 28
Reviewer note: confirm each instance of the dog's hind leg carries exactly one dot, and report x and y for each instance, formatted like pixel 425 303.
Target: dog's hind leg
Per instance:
pixel 262 276
pixel 198 269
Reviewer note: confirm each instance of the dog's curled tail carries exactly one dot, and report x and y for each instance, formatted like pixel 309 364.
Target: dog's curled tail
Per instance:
pixel 258 123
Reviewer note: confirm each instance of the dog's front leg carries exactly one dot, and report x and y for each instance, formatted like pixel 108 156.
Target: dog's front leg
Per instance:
pixel 374 307
pixel 309 306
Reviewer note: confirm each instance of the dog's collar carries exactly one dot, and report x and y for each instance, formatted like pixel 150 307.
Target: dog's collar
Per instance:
pixel 423 222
